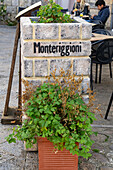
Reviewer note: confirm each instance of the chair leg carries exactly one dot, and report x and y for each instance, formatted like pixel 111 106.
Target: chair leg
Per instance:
pixel 96 73
pixel 91 78
pixel 100 73
pixel 110 69
pixel 109 105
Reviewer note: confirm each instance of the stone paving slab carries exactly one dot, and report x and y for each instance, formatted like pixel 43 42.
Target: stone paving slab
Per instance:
pixel 13 156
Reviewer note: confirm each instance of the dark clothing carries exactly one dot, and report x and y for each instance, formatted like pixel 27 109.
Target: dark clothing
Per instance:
pixel 103 14
pixel 78 5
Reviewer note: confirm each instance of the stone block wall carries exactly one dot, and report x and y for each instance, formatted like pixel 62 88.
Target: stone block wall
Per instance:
pixel 12 6
pixel 60 45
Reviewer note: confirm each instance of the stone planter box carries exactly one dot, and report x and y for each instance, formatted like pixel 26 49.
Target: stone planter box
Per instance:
pixel 50 45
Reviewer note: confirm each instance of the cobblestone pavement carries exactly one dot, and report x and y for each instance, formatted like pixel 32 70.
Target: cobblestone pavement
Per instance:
pixel 13 156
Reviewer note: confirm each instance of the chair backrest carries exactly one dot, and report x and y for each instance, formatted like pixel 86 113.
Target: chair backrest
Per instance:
pixel 101 31
pixel 104 51
pixel 64 10
pixel 86 10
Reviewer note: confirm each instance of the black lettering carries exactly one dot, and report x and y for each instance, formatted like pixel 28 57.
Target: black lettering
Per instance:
pixel 70 48
pixel 80 48
pixel 62 50
pixel 57 48
pixel 36 45
pixel 53 49
pixel 73 48
pixel 42 49
pixel 77 48
pixel 50 50
pixel 46 49
pixel 67 50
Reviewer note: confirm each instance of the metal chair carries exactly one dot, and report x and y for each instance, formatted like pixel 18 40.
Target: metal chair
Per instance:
pixel 98 24
pixel 64 10
pixel 109 105
pixel 102 53
pixel 101 31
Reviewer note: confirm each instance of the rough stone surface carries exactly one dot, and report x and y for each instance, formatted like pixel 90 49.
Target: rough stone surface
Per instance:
pixel 86 98
pixel 85 85
pixel 86 31
pixel 15 2
pixel 27 31
pixel 28 68
pixel 46 31
pixel 35 82
pixel 111 146
pixel 106 168
pixel 70 31
pixel 41 68
pixel 7 2
pixel 11 9
pixel 58 64
pixel 81 66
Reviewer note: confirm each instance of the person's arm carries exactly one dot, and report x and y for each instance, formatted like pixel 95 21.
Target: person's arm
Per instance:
pixel 92 16
pixel 102 17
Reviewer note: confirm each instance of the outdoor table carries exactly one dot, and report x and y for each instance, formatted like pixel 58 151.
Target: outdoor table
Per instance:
pixel 82 20
pixel 97 37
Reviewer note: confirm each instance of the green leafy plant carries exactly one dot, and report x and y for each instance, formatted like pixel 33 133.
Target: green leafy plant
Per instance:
pixel 51 13
pixel 96 150
pixel 57 111
pixel 2 10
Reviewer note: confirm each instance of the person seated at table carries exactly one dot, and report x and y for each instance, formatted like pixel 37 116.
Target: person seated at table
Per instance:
pixel 103 13
pixel 78 6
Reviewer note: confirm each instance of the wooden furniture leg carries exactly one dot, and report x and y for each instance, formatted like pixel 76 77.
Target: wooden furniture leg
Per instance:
pixel 20 88
pixel 12 69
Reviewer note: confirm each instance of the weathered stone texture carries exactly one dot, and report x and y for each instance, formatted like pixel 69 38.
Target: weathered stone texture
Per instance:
pixel 11 9
pixel 86 99
pixel 41 68
pixel 65 64
pixel 25 3
pixel 46 31
pixel 35 83
pixel 28 68
pixel 81 66
pixel 85 85
pixel 27 31
pixel 70 31
pixel 106 168
pixel 86 31
pixel 8 2
pixel 15 2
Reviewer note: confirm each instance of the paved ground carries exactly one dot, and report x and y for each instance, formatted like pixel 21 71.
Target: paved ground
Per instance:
pixel 13 156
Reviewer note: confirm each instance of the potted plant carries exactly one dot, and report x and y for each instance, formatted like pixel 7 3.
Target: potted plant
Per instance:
pixel 56 113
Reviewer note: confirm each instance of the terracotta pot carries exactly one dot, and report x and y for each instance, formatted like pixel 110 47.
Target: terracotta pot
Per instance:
pixel 49 160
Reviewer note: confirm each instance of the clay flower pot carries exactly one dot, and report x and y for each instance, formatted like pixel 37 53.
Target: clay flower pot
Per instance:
pixel 51 160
